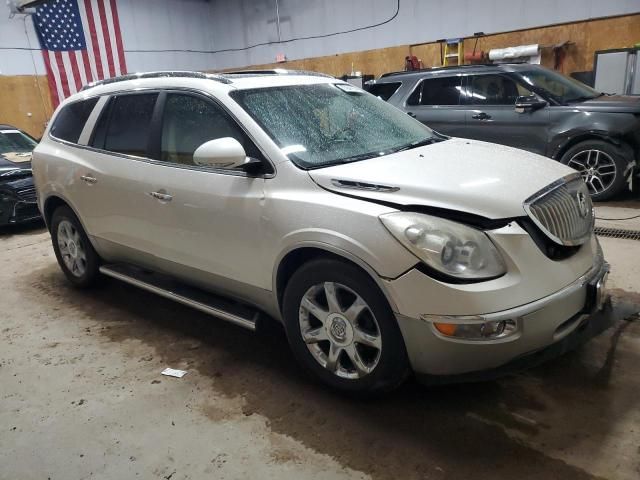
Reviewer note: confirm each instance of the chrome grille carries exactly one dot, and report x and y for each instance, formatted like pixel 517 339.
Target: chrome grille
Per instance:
pixel 27 194
pixel 563 211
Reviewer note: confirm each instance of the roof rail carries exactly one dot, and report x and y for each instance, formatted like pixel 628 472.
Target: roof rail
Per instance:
pixel 276 71
pixel 161 74
pixel 449 67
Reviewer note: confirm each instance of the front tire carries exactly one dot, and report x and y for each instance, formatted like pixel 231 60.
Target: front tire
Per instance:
pixel 342 330
pixel 78 260
pixel 602 166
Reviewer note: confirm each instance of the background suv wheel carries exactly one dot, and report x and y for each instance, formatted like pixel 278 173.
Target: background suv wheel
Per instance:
pixel 75 254
pixel 602 166
pixel 342 329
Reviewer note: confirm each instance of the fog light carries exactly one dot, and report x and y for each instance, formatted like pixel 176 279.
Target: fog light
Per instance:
pixel 478 330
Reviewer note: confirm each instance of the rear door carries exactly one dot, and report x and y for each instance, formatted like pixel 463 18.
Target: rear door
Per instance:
pixel 491 116
pixel 68 165
pixel 435 101
pixel 113 191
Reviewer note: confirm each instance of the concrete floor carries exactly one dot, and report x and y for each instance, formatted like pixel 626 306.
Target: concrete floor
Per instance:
pixel 81 395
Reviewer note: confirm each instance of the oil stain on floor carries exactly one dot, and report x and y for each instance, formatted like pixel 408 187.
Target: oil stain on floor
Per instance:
pixel 555 421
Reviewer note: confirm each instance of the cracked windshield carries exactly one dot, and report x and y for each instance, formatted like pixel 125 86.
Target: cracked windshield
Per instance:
pixel 327 124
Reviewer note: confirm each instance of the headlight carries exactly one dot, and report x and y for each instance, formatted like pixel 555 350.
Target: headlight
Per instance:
pixel 448 247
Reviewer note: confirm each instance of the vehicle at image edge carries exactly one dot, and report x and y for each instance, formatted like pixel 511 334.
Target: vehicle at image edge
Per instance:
pixel 17 192
pixel 383 247
pixel 529 107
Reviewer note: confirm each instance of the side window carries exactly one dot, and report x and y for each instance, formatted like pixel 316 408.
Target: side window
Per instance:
pixel 384 90
pixel 189 121
pixel 495 90
pixel 125 126
pixel 437 91
pixel 70 121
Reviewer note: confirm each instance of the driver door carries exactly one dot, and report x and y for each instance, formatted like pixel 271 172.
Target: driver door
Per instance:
pixel 491 114
pixel 207 220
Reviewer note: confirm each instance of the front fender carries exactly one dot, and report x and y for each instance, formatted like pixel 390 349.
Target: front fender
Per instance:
pixel 332 249
pixel 617 128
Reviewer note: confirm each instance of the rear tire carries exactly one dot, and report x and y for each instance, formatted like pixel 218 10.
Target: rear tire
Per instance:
pixel 353 342
pixel 602 166
pixel 74 252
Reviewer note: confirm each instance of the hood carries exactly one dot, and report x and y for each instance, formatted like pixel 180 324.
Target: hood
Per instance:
pixel 16 183
pixel 611 104
pixel 468 176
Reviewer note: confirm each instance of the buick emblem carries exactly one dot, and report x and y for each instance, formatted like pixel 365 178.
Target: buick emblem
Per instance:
pixel 339 328
pixel 583 204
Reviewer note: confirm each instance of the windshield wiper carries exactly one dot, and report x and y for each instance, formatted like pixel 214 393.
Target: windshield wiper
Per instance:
pixel 366 156
pixel 419 143
pixel 342 161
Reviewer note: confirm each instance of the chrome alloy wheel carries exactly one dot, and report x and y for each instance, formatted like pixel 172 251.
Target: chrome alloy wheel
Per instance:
pixel 597 168
pixel 340 330
pixel 72 248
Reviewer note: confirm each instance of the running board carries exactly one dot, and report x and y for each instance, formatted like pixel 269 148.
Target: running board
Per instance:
pixel 167 287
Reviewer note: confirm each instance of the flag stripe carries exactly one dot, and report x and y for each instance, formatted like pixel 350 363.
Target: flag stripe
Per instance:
pixel 106 39
pixel 94 40
pixel 66 67
pixel 88 52
pixel 105 12
pixel 100 35
pixel 77 83
pixel 87 66
pixel 56 74
pixel 118 35
pixel 53 88
pixel 64 79
pixel 77 57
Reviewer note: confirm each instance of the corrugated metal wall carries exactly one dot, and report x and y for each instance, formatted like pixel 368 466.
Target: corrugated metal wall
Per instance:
pixel 253 21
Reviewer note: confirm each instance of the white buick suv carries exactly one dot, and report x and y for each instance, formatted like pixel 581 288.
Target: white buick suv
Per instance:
pixel 383 247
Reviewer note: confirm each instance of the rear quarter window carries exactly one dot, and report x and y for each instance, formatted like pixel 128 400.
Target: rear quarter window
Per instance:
pixel 437 91
pixel 384 90
pixel 70 121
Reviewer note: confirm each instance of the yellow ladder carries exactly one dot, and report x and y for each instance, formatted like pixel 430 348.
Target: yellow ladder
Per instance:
pixel 453 52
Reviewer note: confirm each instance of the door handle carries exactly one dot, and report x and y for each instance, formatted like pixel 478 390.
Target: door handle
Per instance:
pixel 89 179
pixel 411 114
pixel 481 116
pixel 163 197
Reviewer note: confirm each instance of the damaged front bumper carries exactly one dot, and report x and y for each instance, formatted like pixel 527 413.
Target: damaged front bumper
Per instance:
pixel 537 330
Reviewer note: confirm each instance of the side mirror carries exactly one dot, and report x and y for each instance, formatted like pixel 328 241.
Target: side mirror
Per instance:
pixel 529 103
pixel 224 152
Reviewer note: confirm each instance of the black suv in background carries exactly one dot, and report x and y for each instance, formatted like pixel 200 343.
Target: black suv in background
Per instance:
pixel 529 107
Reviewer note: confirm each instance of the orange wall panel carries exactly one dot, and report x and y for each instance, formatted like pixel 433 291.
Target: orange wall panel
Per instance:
pixel 23 95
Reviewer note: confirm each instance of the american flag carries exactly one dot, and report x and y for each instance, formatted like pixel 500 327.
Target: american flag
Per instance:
pixel 81 43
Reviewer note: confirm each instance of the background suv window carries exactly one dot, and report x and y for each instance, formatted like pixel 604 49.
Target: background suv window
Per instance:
pixel 190 121
pixel 494 90
pixel 384 90
pixel 129 125
pixel 70 121
pixel 437 91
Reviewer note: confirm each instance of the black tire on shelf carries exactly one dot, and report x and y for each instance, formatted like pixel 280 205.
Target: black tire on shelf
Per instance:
pixel 85 262
pixel 391 367
pixel 612 159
